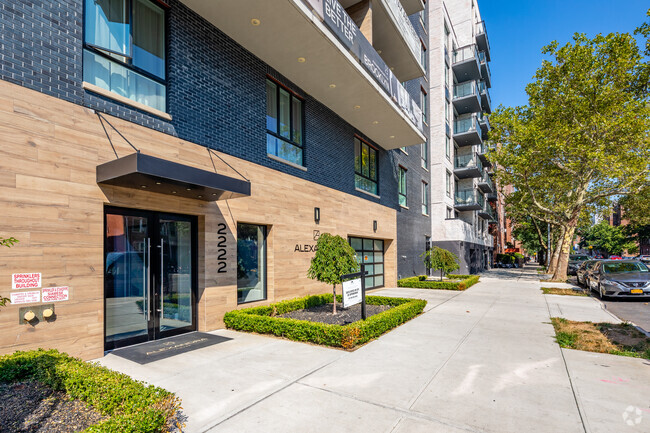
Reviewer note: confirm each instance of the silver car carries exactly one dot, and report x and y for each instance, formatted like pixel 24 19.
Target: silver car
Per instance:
pixel 620 278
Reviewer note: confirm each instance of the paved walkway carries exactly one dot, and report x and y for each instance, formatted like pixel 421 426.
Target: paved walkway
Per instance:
pixel 483 360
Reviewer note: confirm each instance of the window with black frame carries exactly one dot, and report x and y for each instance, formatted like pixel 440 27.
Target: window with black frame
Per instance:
pixel 365 166
pixel 402 187
pixel 284 123
pixel 124 49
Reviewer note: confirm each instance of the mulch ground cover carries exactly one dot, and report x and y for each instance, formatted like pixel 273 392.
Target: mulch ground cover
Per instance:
pixel 32 407
pixel 323 313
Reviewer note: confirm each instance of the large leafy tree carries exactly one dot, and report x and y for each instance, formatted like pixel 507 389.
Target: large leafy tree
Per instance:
pixel 334 257
pixel 582 138
pixel 607 238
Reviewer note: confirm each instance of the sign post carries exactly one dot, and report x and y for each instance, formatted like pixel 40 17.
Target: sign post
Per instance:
pixel 354 290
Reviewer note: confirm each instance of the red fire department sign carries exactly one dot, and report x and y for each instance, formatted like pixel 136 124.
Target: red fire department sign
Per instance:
pixel 55 294
pixel 26 281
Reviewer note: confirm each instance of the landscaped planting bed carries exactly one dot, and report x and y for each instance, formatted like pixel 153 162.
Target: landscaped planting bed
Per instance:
pixel 267 320
pixel 461 282
pixel 113 401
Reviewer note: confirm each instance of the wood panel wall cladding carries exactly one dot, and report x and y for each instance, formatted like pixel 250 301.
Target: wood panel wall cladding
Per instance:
pixel 50 202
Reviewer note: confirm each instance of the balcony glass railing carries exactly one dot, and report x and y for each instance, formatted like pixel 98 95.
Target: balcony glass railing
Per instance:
pixel 484 62
pixel 342 26
pixel 405 27
pixel 467 161
pixel 469 197
pixel 486 179
pixel 483 120
pixel 465 53
pixel 468 88
pixel 466 124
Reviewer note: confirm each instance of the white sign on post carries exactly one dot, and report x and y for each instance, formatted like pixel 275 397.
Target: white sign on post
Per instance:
pixel 26 281
pixel 351 292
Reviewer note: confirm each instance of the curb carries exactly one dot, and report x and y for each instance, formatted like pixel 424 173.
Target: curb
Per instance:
pixel 604 307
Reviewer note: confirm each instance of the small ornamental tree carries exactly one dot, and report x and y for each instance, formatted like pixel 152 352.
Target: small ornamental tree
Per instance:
pixel 440 258
pixel 6 242
pixel 334 257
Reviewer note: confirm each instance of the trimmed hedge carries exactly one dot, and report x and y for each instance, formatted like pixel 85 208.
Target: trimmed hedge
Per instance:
pixel 132 405
pixel 421 282
pixel 264 320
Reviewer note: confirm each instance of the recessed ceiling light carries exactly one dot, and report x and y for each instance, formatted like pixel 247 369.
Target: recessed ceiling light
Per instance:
pixel 255 22
pixel 200 196
pixel 375 122
pixel 356 107
pixel 378 51
pixel 189 189
pixel 392 136
pixel 173 192
pixel 214 193
pixel 301 60
pixel 143 186
pixel 332 86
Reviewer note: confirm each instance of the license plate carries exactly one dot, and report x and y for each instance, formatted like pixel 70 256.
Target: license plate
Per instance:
pixel 636 291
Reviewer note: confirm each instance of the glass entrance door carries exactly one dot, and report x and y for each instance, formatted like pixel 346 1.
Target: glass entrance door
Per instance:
pixel 149 276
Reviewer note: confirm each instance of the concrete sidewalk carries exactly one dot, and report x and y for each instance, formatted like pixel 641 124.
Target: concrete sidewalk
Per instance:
pixel 483 360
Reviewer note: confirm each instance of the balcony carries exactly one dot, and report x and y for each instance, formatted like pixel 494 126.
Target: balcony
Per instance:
pixel 485 69
pixel 486 102
pixel 466 64
pixel 412 6
pixel 482 39
pixel 487 213
pixel 390 32
pixel 467 98
pixel 318 47
pixel 467 131
pixel 484 123
pixel 485 183
pixel 468 200
pixel 482 154
pixel 467 166
pixel 492 196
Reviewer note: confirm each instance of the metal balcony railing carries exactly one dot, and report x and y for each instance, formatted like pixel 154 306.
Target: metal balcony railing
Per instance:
pixel 468 199
pixel 466 124
pixel 468 88
pixel 467 161
pixel 466 53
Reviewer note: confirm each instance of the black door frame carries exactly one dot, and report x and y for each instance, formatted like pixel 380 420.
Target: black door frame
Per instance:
pixel 153 297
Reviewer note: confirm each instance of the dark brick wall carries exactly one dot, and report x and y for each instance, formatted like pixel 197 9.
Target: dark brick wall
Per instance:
pixel 215 90
pixel 412 226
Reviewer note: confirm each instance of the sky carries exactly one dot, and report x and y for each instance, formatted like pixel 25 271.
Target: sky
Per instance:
pixel 518 29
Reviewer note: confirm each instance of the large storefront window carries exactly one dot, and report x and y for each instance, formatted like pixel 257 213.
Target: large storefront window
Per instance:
pixel 124 49
pixel 284 123
pixel 371 253
pixel 251 263
pixel 365 166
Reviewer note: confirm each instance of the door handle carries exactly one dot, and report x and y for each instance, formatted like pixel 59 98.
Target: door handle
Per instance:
pixel 148 279
pixel 162 273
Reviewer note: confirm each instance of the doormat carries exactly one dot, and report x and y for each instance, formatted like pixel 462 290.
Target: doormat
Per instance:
pixel 167 347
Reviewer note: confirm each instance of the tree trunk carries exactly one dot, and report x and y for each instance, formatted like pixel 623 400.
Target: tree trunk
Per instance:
pixel 440 274
pixel 552 266
pixel 563 260
pixel 334 303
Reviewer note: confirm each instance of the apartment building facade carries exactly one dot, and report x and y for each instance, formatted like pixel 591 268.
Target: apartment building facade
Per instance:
pixel 463 195
pixel 163 162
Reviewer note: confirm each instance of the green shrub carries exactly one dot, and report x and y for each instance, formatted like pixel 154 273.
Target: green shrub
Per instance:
pixel 132 405
pixel 263 321
pixel 420 283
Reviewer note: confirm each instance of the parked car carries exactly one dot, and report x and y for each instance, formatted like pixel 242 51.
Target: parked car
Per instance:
pixel 645 258
pixel 598 257
pixel 575 260
pixel 615 258
pixel 620 278
pixel 582 271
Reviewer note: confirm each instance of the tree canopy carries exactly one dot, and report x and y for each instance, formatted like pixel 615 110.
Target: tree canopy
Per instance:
pixel 440 259
pixel 582 138
pixel 608 239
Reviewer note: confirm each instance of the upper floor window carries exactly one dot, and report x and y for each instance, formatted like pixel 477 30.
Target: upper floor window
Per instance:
pixel 284 123
pixel 124 53
pixel 449 184
pixel 424 154
pixel 448 147
pixel 365 166
pixel 402 187
pixel 424 104
pixel 425 198
pixel 423 55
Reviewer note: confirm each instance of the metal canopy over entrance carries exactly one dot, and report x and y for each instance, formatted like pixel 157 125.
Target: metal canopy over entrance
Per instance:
pixel 153 174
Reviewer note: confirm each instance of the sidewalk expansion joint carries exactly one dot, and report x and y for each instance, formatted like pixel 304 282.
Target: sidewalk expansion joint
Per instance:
pixel 574 391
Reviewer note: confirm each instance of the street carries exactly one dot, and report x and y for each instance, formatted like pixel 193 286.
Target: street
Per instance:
pixel 636 311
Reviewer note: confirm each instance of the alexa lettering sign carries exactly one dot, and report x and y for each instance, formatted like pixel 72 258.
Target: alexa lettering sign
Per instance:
pixel 26 281
pixel 308 248
pixel 351 292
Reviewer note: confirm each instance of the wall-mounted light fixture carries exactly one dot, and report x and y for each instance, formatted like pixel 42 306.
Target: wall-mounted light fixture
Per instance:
pixel 317 215
pixel 374 225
